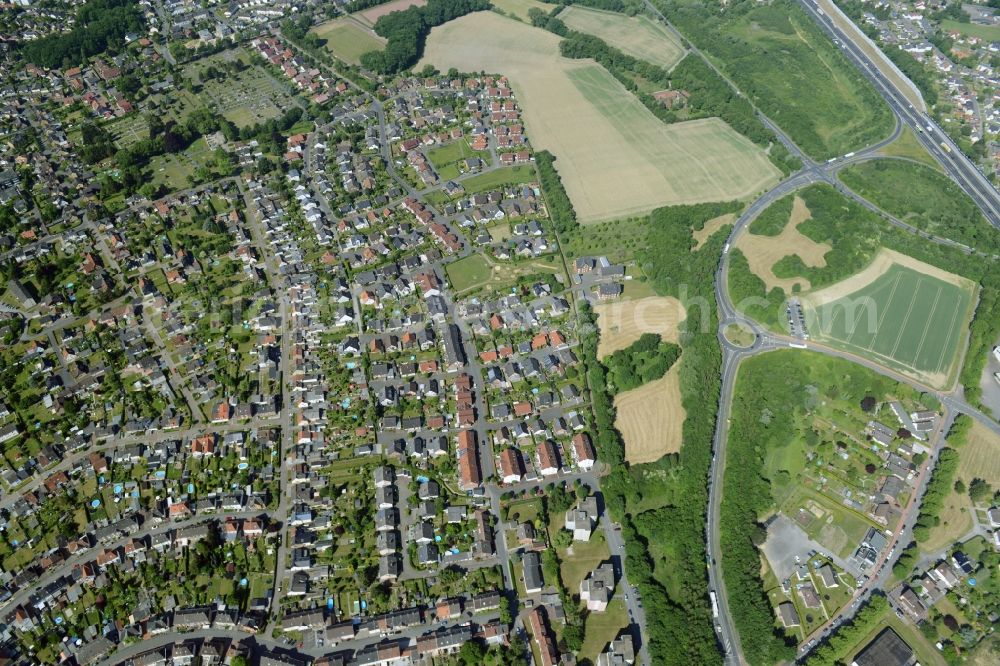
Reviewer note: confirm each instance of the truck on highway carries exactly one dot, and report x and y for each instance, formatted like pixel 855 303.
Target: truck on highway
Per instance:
pixel 715 603
pixel 849 155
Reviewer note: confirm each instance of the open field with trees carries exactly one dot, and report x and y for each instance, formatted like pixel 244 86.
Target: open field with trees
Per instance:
pixel 856 234
pixel 776 55
pixel 638 36
pixel 374 13
pixel 711 227
pixel 650 419
pixel 989 33
pixel 852 636
pixel 623 322
pixel 347 38
pixel 901 312
pixel 980 456
pixel 977 475
pixel 615 158
pixel 480 272
pixel 644 379
pixel 782 238
pixel 406 30
pixel 924 198
pixel 491 180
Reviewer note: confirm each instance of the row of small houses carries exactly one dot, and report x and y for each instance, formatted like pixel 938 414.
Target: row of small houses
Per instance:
pixel 548 459
pixel 391 622
pixel 133 552
pixel 181 620
pixel 217 651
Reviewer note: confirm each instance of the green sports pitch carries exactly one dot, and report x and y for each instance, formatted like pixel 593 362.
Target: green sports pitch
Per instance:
pixel 905 319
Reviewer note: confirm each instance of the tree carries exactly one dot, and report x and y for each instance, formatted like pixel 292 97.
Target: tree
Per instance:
pixel 573 637
pixel 979 490
pixel 472 653
pixel 868 403
pixel 959 486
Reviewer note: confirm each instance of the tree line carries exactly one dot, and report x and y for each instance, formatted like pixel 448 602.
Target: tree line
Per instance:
pixel 557 203
pixel 938 489
pixel 840 643
pixel 99 25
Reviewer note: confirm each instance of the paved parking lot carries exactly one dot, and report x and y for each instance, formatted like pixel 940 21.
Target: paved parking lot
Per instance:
pixel 786 541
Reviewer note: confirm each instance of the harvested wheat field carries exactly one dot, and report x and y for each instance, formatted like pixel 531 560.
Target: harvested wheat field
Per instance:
pixel 615 158
pixel 623 322
pixel 372 15
pixel 638 36
pixel 713 225
pixel 651 418
pixel 347 38
pixel 763 252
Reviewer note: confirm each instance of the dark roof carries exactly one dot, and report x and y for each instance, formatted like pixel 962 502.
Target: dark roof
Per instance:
pixel 887 649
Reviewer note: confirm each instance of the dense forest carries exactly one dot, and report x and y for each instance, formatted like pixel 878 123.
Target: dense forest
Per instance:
pixel 406 32
pixel 100 24
pixel 774 218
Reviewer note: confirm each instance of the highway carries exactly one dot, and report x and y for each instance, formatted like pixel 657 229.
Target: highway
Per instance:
pixel 927 131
